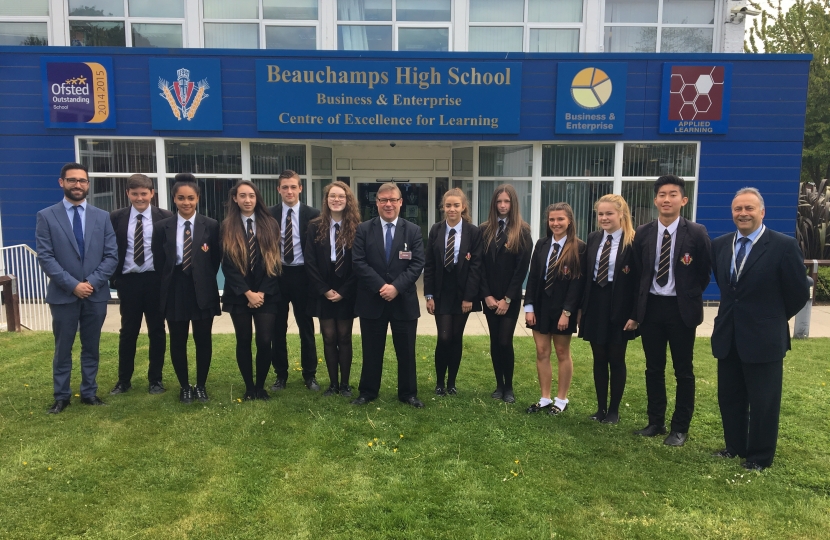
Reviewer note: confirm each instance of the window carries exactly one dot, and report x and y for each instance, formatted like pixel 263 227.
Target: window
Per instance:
pixel 261 24
pixel 525 25
pixel 659 25
pixel 24 23
pixel 642 163
pixel 268 160
pixel 217 165
pixel 394 25
pixel 110 164
pixel 505 165
pixel 126 23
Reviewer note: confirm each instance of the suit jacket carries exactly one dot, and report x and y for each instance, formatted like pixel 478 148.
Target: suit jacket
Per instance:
pixel 307 213
pixel 120 220
pixel 372 271
pixel 625 286
pixel 690 278
pixel 567 293
pixel 771 289
pixel 318 268
pixel 207 255
pixel 60 259
pixel 468 271
pixel 503 273
pixel 236 284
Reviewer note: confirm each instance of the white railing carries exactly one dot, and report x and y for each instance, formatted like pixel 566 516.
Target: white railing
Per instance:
pixel 21 261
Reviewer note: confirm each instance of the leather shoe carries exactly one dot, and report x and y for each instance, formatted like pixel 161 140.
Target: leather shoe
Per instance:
pixel 611 418
pixel 676 438
pixel 415 402
pixel 120 388
pixel 346 391
pixel 598 416
pixel 201 394
pixel 726 454
pixel 312 385
pixel 157 388
pixel 536 407
pixel 508 396
pixel 262 395
pixel 498 393
pixel 58 406
pixel 555 411
pixel 752 466
pixel 332 390
pixel 94 400
pixel 439 391
pixel 452 391
pixel 651 430
pixel 361 400
pixel 186 395
pixel 279 384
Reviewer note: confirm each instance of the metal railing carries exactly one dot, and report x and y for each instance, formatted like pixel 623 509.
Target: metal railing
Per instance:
pixel 21 262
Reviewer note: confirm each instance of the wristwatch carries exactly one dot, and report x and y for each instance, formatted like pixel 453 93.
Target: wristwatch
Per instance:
pixel 566 313
pixel 507 300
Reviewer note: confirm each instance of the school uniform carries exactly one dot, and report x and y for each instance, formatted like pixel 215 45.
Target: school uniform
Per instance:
pixel 565 294
pixel 323 276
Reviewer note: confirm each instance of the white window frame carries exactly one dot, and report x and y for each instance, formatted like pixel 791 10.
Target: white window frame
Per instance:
pixel 262 23
pixel 34 19
pixel 396 25
pixel 128 22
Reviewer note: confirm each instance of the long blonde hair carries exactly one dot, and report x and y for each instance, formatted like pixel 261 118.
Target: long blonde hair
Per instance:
pixel 625 217
pixel 515 224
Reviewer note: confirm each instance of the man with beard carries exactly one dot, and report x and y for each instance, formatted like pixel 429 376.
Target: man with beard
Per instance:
pixel 76 248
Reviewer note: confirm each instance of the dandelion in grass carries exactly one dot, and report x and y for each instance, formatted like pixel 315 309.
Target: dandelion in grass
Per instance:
pixel 25 463
pixel 401 435
pixel 370 444
pixel 26 385
pixel 238 400
pixel 48 468
pixel 77 395
pixel 395 450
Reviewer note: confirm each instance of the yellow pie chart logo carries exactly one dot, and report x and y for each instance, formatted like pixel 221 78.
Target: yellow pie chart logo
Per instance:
pixel 591 88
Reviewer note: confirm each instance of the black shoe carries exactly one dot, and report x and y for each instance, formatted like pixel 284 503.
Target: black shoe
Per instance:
pixel 278 385
pixel 250 395
pixel 262 395
pixel 676 438
pixel 94 400
pixel 439 391
pixel 361 400
pixel 346 391
pixel 58 406
pixel 651 430
pixel 611 418
pixel 201 394
pixel 508 396
pixel 452 390
pixel 598 416
pixel 157 388
pixel 415 402
pixel 536 407
pixel 120 388
pixel 186 394
pixel 556 411
pixel 726 454
pixel 498 393
pixel 333 390
pixel 752 466
pixel 312 385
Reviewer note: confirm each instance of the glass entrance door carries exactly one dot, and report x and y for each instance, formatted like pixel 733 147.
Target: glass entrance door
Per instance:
pixel 415 204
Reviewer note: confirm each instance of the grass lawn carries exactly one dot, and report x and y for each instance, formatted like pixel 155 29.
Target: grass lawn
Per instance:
pixel 304 466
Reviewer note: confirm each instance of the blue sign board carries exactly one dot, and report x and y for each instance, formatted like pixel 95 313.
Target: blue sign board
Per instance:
pixel 186 94
pixel 398 96
pixel 590 97
pixel 695 99
pixel 77 92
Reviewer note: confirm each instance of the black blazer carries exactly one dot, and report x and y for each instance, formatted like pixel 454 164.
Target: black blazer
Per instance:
pixel 625 286
pixel 207 255
pixel 307 213
pixel 236 284
pixel 318 268
pixel 567 293
pixel 503 273
pixel 120 222
pixel 372 271
pixel 690 278
pixel 771 289
pixel 468 270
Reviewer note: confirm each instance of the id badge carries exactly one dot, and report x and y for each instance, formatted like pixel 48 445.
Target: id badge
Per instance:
pixel 405 255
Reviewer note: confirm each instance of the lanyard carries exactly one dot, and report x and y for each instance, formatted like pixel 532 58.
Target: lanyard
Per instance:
pixel 743 262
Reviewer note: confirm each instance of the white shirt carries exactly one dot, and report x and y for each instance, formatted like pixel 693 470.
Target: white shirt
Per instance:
pixel 753 237
pixel 70 213
pixel 667 289
pixel 147 225
pixel 561 243
pixel 332 239
pixel 245 223
pixel 295 237
pixel 384 223
pixel 180 221
pixel 457 245
pixel 616 236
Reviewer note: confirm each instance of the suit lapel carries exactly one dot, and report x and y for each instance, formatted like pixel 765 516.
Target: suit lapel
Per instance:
pixel 678 244
pixel 441 245
pixel 198 232
pixel 60 214
pixel 378 233
pixel 397 241
pixel 543 255
pixel 651 245
pixel 593 247
pixel 757 252
pixel 123 229
pixel 464 246
pixel 89 227
pixel 172 225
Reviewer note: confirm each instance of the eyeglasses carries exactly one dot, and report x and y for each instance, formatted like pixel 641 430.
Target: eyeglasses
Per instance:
pixel 387 201
pixel 78 181
pixel 337 197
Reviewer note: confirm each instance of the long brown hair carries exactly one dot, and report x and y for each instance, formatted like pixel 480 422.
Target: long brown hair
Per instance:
pixel 350 221
pixel 625 217
pixel 234 242
pixel 465 204
pixel 570 253
pixel 515 224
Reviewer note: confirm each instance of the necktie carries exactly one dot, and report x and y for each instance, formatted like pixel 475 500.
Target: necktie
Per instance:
pixel 605 256
pixel 187 249
pixel 665 260
pixel 288 238
pixel 252 245
pixel 138 241
pixel 500 233
pixel 739 258
pixel 78 231
pixel 388 242
pixel 449 252
pixel 549 275
pixel 339 253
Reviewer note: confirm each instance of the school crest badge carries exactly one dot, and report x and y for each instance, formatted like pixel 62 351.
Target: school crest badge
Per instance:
pixel 687 259
pixel 180 95
pixel 626 269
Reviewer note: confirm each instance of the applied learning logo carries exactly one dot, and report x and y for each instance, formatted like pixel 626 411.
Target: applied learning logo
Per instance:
pixel 77 93
pixel 180 95
pixel 591 88
pixel 695 99
pixel 590 97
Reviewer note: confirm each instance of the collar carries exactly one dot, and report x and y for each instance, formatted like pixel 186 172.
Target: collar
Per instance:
pixel 333 223
pixel 506 221
pixel 456 228
pixel 286 208
pixel 753 236
pixel 245 219
pixel 394 222
pixel 147 213
pixel 671 228
pixel 560 242
pixel 68 205
pixel 616 235
pixel 180 220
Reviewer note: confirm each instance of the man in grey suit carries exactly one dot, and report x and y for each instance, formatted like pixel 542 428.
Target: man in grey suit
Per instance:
pixel 77 250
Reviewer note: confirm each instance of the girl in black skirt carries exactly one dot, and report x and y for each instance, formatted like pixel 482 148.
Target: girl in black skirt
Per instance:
pixel 451 283
pixel 552 298
pixel 251 264
pixel 507 247
pixel 332 285
pixel 609 301
pixel 187 249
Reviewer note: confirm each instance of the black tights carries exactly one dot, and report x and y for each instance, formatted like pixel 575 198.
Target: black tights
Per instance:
pixel 265 324
pixel 337 348
pixel 178 348
pixel 609 355
pixel 501 329
pixel 449 347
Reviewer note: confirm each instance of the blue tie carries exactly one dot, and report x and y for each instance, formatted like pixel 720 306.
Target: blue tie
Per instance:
pixel 388 242
pixel 739 258
pixel 78 230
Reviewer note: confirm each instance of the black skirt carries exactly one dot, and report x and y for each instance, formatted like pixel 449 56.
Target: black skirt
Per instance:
pixel 547 319
pixel 181 300
pixel 448 301
pixel 323 308
pixel 596 326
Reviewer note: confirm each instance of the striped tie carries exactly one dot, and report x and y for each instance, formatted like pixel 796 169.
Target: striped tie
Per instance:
pixel 665 260
pixel 138 242
pixel 449 253
pixel 252 245
pixel 339 252
pixel 288 238
pixel 500 232
pixel 605 256
pixel 187 249
pixel 549 275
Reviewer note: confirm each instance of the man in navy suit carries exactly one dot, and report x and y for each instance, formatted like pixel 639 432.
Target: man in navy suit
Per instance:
pixel 77 250
pixel 762 284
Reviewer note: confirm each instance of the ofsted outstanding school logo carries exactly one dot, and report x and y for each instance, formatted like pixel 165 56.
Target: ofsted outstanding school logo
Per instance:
pixel 190 102
pixel 77 92
pixel 695 99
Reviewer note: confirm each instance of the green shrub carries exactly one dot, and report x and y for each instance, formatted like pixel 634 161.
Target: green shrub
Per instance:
pixel 822 287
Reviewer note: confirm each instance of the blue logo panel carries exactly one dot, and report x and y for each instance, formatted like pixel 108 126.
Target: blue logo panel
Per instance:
pixel 77 92
pixel 441 96
pixel 186 94
pixel 590 97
